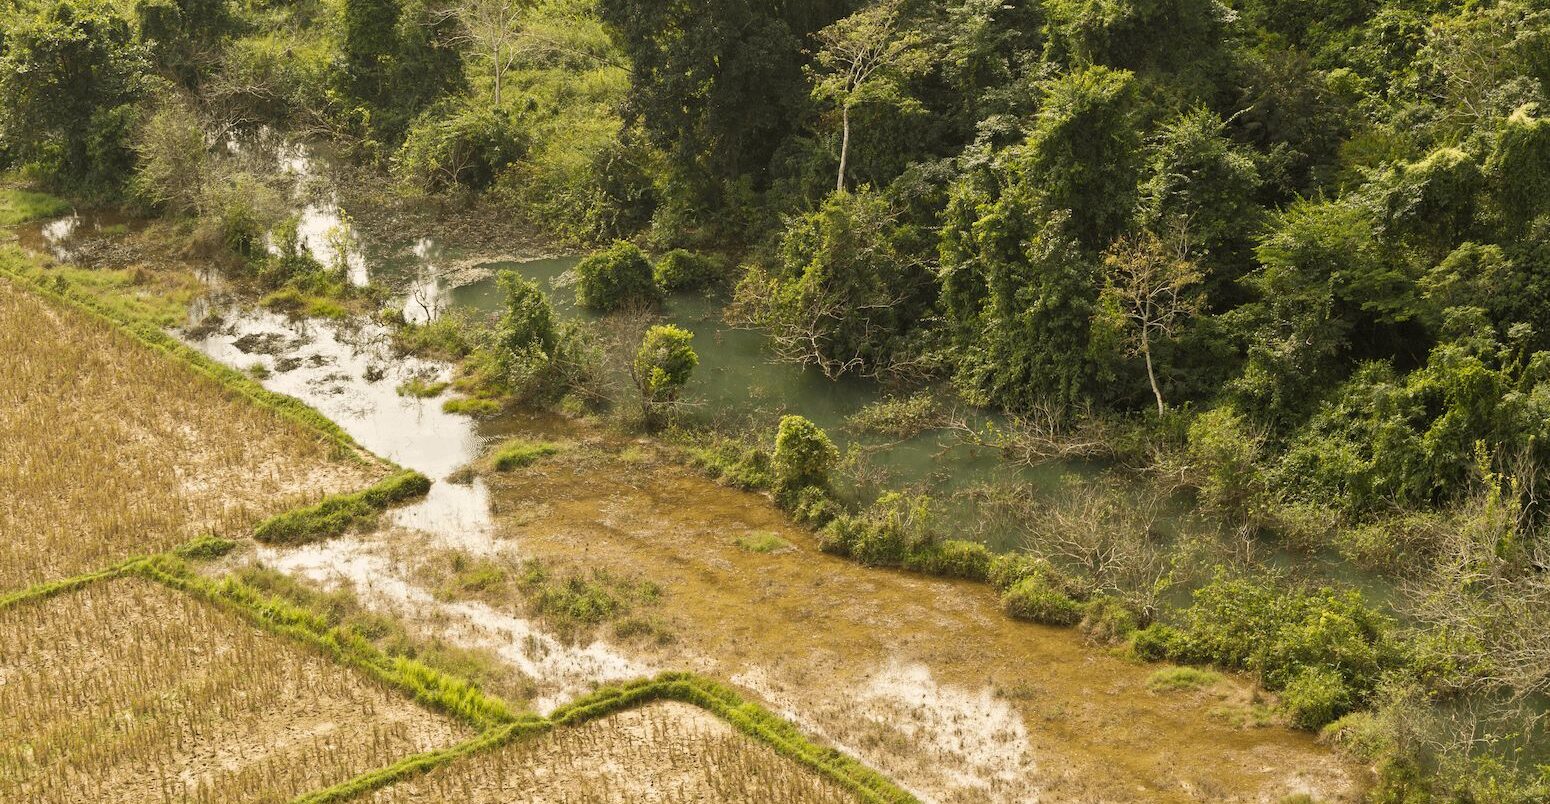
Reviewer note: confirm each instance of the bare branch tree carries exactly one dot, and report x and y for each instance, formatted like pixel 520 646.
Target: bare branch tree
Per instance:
pixel 1152 283
pixel 494 30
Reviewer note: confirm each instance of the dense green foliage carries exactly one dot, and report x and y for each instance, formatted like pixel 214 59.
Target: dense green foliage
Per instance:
pixel 615 277
pixel 662 366
pixel 803 457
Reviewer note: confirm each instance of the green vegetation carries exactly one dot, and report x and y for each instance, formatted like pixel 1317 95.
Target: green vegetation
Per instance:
pixel 615 277
pixel 420 388
pixel 337 514
pixel 1181 679
pixel 803 457
pixel 761 542
pixel 517 453
pixel 22 206
pixel 661 367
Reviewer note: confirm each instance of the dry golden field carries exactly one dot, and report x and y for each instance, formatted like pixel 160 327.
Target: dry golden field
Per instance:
pixel 111 449
pixel 129 691
pixel 663 752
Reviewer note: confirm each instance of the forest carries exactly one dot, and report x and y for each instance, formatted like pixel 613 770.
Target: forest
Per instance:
pixel 1284 263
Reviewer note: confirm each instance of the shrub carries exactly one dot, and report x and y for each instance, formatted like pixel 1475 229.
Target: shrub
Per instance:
pixel 1107 620
pixel 458 146
pixel 1036 598
pixel 1279 633
pixel 614 277
pixel 1315 697
pixel 1157 642
pixel 1006 569
pixel 951 558
pixel 813 506
pixel 662 366
pixel 804 456
pixel 681 269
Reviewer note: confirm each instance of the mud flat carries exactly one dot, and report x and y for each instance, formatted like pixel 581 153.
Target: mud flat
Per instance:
pixel 113 450
pixel 129 691
pixel 922 678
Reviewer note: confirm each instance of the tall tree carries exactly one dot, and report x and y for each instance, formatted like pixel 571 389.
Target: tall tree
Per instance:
pixel 865 58
pixel 494 30
pixel 1153 286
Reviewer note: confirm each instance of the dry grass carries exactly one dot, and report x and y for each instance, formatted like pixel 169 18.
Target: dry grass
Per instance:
pixel 112 449
pixel 661 752
pixel 129 691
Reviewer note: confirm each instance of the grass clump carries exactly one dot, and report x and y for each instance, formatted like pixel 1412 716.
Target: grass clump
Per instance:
pixel 1181 679
pixel 22 206
pixel 420 388
pixel 295 302
pixel 472 406
pixel 761 542
pixel 517 453
pixel 339 513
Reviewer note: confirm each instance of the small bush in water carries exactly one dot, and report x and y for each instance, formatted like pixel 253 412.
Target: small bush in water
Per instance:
pixel 614 277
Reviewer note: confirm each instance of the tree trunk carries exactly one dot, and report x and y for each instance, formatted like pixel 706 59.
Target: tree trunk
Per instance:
pixel 495 64
pixel 1146 351
pixel 839 182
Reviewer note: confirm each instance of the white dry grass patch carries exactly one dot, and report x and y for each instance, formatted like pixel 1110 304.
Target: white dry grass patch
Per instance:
pixel 129 691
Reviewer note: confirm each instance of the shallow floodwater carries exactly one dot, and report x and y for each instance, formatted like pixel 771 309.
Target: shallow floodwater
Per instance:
pixel 347 371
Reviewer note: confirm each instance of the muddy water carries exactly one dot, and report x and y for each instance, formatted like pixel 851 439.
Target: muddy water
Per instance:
pixel 923 678
pixel 347 371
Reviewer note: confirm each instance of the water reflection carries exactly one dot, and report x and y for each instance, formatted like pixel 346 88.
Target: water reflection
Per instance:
pixel 348 372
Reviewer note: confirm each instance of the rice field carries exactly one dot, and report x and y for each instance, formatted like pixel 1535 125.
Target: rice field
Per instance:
pixel 130 691
pixel 113 450
pixel 662 752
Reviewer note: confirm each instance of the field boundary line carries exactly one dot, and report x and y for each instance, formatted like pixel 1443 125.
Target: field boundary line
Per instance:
pixel 710 696
pixel 60 290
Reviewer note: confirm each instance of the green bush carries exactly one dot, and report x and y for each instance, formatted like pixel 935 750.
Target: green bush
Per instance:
pixel 458 145
pixel 1316 696
pixel 814 506
pixel 1107 620
pixel 1006 569
pixel 1157 642
pixel 662 366
pixel 681 269
pixel 951 558
pixel 804 456
pixel 617 276
pixel 1036 598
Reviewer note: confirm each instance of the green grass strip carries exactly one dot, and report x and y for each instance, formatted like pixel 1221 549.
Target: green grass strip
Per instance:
pixel 153 337
pixel 457 697
pixel 337 513
pixel 49 589
pixel 720 701
pixel 422 763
